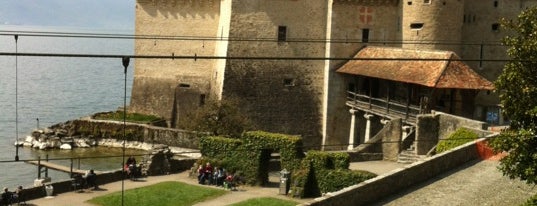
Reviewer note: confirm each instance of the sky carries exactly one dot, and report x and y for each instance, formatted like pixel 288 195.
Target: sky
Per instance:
pixel 92 14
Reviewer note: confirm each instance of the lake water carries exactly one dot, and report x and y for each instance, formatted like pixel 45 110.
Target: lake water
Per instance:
pixel 57 89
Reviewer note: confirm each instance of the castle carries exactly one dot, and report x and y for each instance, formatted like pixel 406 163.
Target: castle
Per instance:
pixel 281 58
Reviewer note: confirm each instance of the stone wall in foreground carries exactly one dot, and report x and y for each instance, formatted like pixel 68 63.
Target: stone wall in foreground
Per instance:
pixel 384 185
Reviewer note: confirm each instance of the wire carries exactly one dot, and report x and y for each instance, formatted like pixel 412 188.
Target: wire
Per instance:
pixel 211 38
pixel 196 57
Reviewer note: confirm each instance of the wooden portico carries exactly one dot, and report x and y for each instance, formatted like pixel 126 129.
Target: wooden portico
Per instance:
pixel 403 83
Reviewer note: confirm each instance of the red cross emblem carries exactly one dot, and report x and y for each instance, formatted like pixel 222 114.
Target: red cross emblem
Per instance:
pixel 366 15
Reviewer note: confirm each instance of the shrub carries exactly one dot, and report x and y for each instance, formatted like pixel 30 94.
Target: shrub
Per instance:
pixel 323 172
pixel 530 202
pixel 250 154
pixel 459 137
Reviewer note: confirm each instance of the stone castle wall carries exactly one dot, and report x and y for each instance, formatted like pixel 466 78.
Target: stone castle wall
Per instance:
pixel 432 21
pixel 304 97
pixel 181 25
pixel 280 95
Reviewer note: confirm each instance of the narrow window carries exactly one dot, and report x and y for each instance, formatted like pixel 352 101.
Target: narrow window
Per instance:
pixel 289 82
pixel 495 27
pixel 416 26
pixel 202 99
pixel 365 35
pixel 464 18
pixel 282 33
pixel 427 1
pixel 184 85
pixel 495 3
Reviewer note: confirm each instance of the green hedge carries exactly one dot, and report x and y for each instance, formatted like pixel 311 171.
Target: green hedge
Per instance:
pixel 219 147
pixel 459 137
pixel 311 175
pixel 250 154
pixel 324 172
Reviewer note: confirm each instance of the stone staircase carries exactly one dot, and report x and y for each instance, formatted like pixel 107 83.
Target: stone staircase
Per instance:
pixel 409 156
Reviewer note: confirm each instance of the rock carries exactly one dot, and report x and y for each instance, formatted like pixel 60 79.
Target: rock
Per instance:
pixel 82 143
pixel 18 143
pixel 66 147
pixel 43 146
pixel 29 139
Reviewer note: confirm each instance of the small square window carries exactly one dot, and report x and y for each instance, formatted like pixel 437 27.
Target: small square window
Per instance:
pixel 495 27
pixel 416 26
pixel 409 3
pixel 289 82
pixel 427 1
pixel 282 33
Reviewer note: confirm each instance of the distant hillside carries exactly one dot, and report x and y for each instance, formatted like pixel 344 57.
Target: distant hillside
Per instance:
pixel 106 14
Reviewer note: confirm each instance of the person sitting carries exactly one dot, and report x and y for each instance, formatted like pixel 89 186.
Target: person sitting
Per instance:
pixel 200 174
pixel 228 182
pixel 131 161
pixel 218 176
pixel 207 174
pixel 91 179
pixel 130 167
pixel 18 196
pixel 7 197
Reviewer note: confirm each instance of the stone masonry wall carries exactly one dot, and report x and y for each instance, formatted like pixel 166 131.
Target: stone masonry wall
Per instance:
pixel 99 129
pixel 156 81
pixel 283 96
pixel 381 186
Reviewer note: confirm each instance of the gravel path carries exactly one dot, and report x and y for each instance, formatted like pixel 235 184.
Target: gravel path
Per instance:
pixel 475 183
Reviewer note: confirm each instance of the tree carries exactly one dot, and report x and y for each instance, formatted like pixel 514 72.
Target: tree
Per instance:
pixel 218 118
pixel 517 87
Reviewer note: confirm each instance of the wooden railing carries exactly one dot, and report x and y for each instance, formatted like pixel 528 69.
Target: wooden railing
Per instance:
pixel 386 106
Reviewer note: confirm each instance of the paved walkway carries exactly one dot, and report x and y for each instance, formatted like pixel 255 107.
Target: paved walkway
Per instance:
pixel 244 193
pixel 475 183
pixel 79 199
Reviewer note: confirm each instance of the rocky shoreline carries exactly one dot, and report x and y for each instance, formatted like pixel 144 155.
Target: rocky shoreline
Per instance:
pixel 65 136
pixel 59 139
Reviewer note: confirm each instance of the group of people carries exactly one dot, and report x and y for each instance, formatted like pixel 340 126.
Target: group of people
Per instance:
pixel 9 197
pixel 217 176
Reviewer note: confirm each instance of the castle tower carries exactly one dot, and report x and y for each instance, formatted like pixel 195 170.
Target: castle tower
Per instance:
pixel 432 24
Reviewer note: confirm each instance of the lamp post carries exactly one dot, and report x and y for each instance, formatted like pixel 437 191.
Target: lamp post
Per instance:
pixel 16 98
pixel 37 119
pixel 125 61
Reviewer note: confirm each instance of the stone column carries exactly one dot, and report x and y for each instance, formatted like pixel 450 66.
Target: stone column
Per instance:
pixel 351 133
pixel 367 127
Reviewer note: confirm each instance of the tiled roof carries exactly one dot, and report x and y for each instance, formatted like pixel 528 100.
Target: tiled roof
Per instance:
pixel 438 69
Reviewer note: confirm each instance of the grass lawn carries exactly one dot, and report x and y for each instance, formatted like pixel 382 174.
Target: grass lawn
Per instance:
pixel 162 194
pixel 266 201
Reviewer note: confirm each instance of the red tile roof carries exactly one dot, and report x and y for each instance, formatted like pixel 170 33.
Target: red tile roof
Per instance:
pixel 438 69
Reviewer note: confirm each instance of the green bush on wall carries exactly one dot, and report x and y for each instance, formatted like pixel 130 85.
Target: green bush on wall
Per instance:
pixel 459 137
pixel 323 172
pixel 250 154
pixel 315 173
